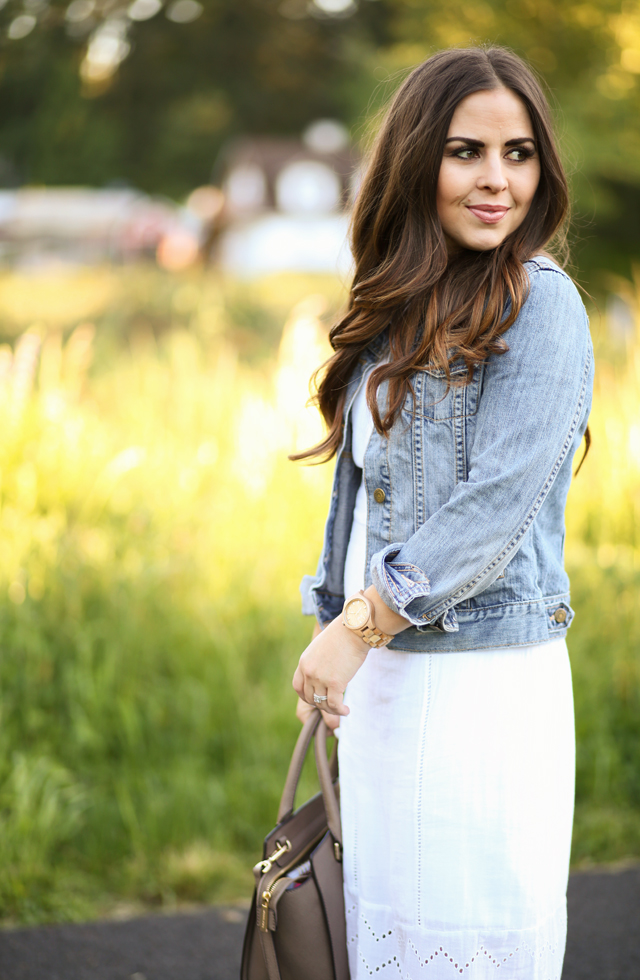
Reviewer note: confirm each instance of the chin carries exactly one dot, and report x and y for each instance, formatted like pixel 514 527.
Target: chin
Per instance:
pixel 482 243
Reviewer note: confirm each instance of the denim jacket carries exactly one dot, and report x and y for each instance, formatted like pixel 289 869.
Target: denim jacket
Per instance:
pixel 466 494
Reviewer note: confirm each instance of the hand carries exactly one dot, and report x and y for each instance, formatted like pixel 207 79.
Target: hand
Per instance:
pixel 328 664
pixel 303 710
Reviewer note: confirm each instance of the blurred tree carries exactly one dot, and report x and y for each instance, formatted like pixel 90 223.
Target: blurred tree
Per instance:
pixel 182 87
pixel 48 132
pixel 93 91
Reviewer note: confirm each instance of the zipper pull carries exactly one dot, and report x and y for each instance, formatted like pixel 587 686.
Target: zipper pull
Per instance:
pixel 264 911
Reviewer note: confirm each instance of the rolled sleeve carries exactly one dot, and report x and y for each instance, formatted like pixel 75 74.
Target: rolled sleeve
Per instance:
pixel 399 584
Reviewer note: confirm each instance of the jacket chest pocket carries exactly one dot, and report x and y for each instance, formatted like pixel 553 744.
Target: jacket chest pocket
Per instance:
pixel 435 403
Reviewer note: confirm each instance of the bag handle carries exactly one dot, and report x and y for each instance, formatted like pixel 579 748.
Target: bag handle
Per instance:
pixel 327 772
pixel 314 727
pixel 331 806
pixel 295 766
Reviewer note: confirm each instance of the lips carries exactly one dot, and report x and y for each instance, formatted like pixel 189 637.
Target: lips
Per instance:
pixel 489 214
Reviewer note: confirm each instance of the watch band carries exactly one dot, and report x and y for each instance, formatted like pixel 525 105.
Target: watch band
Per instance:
pixel 374 636
pixel 368 631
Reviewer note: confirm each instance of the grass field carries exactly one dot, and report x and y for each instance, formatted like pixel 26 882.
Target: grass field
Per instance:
pixel 153 537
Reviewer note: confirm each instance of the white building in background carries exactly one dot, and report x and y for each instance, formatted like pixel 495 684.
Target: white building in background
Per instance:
pixel 283 206
pixel 41 226
pixel 287 201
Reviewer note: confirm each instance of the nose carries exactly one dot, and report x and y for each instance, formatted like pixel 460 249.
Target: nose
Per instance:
pixel 493 177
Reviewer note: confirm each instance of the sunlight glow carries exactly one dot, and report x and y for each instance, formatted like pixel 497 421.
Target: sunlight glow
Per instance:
pixel 107 48
pixel 79 10
pixel 184 11
pixel 143 9
pixel 336 7
pixel 21 26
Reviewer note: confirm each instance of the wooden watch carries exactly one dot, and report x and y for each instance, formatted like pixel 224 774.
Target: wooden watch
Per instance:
pixel 358 615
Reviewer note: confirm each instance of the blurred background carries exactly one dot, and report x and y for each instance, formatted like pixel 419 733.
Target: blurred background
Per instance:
pixel 175 181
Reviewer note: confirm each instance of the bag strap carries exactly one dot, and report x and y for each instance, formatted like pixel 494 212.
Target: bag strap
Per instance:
pixel 269 953
pixel 295 766
pixel 331 807
pixel 287 802
pixel 327 773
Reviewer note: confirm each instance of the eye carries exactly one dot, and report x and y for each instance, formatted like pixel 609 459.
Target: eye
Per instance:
pixel 466 153
pixel 520 153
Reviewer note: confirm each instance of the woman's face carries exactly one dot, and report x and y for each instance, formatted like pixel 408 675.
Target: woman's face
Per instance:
pixel 489 172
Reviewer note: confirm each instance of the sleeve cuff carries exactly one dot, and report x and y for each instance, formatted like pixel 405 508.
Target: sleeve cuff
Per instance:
pixel 446 623
pixel 308 607
pixel 398 583
pixel 402 585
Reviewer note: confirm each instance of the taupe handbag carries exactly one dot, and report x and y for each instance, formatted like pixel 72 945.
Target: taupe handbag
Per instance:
pixel 296 928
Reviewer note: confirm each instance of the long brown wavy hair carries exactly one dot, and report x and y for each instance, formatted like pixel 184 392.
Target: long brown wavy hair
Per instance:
pixel 436 307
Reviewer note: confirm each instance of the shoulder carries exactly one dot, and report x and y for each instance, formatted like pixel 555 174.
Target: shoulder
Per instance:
pixel 552 321
pixel 552 299
pixel 548 282
pixel 544 263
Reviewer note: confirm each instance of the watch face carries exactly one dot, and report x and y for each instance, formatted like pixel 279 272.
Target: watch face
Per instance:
pixel 356 613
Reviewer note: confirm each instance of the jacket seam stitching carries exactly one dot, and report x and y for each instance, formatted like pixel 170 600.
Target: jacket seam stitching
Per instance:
pixel 546 600
pixel 464 590
pixel 449 418
pixel 485 646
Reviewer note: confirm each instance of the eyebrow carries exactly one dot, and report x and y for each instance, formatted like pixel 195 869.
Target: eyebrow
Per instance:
pixel 518 141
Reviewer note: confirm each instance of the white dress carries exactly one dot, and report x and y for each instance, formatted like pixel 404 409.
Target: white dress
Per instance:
pixel 457 784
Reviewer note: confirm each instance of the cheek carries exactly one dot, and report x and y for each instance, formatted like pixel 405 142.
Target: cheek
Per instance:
pixel 448 184
pixel 449 191
pixel 525 189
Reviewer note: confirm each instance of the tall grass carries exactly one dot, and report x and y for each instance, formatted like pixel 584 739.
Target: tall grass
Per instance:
pixel 603 558
pixel 153 537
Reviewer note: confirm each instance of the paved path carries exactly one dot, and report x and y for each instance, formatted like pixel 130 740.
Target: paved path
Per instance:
pixel 603 942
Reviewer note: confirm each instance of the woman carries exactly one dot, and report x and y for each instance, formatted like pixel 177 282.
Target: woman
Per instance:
pixel 456 399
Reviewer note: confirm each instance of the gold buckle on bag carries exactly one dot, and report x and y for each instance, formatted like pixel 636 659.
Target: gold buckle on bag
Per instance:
pixel 267 895
pixel 279 851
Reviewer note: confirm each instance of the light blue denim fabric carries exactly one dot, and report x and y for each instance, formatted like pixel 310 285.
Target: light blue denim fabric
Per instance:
pixel 468 541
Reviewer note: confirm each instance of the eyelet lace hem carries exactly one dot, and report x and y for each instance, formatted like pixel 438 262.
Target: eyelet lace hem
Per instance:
pixel 534 953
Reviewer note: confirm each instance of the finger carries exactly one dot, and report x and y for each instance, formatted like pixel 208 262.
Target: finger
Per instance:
pixel 309 690
pixel 319 692
pixel 303 710
pixel 335 703
pixel 331 721
pixel 298 683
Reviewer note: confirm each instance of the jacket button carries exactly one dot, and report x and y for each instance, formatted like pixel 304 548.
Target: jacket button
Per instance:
pixel 560 615
pixel 379 495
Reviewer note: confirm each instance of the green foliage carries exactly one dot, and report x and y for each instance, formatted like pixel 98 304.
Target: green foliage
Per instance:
pixel 242 67
pixel 272 66
pixel 148 608
pixel 152 536
pixel 604 646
